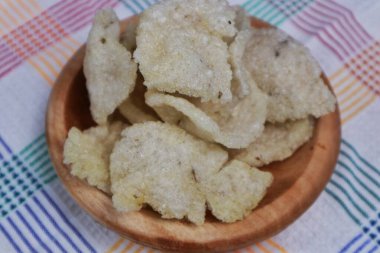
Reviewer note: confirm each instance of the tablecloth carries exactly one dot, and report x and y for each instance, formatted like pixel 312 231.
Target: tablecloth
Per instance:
pixel 37 37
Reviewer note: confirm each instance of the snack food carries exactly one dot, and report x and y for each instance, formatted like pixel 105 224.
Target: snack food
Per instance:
pixel 180 48
pixel 232 99
pixel 292 81
pixel 154 163
pixel 277 142
pixel 110 72
pixel 88 153
pixel 230 124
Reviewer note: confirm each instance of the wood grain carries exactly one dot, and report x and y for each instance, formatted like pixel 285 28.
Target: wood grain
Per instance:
pixel 297 181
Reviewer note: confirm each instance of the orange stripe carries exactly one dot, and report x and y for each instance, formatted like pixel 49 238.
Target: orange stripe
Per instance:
pixel 52 54
pixel 61 51
pixel 337 73
pixel 74 42
pixel 116 245
pixel 138 250
pixel 250 250
pixel 349 96
pixel 41 71
pixel 129 246
pixel 26 8
pixel 48 65
pixel 262 248
pixel 14 46
pixel 341 81
pixel 359 109
pixel 6 26
pixel 17 10
pixel 8 14
pixel 35 4
pixel 356 101
pixel 276 245
pixel 346 88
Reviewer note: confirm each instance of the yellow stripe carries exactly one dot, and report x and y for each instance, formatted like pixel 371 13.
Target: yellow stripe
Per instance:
pixel 346 88
pixel 26 8
pixel 337 73
pixel 262 248
pixel 17 10
pixel 356 101
pixel 276 245
pixel 116 245
pixel 8 14
pixel 359 109
pixel 139 249
pixel 51 53
pixel 250 250
pixel 48 65
pixel 40 71
pixel 349 96
pixel 128 247
pixel 341 81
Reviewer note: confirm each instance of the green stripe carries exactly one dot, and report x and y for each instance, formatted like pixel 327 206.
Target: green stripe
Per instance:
pixel 46 172
pixel 349 198
pixel 43 164
pixel 355 190
pixel 255 5
pixel 34 151
pixel 356 220
pixel 42 136
pixel 38 158
pixel 257 12
pixel 265 15
pixel 358 180
pixel 361 158
pixel 50 179
pixel 369 177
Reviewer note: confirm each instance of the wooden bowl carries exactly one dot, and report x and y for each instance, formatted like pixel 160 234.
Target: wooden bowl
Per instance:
pixel 297 181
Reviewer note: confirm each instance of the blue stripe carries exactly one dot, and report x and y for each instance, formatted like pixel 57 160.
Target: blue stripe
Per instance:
pixel 42 226
pixel 358 180
pixel 353 217
pixel 361 196
pixel 32 231
pixel 5 145
pixel 138 5
pixel 362 246
pixel 21 235
pixel 1 157
pixel 342 152
pixel 129 7
pixel 349 198
pixel 10 239
pixel 360 157
pixel 350 243
pixel 55 224
pixel 373 249
pixel 67 221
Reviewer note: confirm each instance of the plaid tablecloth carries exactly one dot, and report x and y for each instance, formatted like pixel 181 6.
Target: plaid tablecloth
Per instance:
pixel 37 37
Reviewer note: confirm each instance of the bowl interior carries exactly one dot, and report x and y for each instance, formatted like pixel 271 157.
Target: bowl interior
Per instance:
pixel 297 181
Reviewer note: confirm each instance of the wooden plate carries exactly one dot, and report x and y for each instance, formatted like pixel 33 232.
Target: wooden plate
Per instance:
pixel 297 181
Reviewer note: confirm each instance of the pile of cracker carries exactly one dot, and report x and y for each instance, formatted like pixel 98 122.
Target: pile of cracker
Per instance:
pixel 217 99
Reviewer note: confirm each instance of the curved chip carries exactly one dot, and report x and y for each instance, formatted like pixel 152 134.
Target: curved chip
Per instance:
pixel 235 190
pixel 154 163
pixel 278 142
pixel 234 124
pixel 88 153
pixel 242 19
pixel 237 51
pixel 128 37
pixel 186 52
pixel 292 81
pixel 134 109
pixel 109 70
